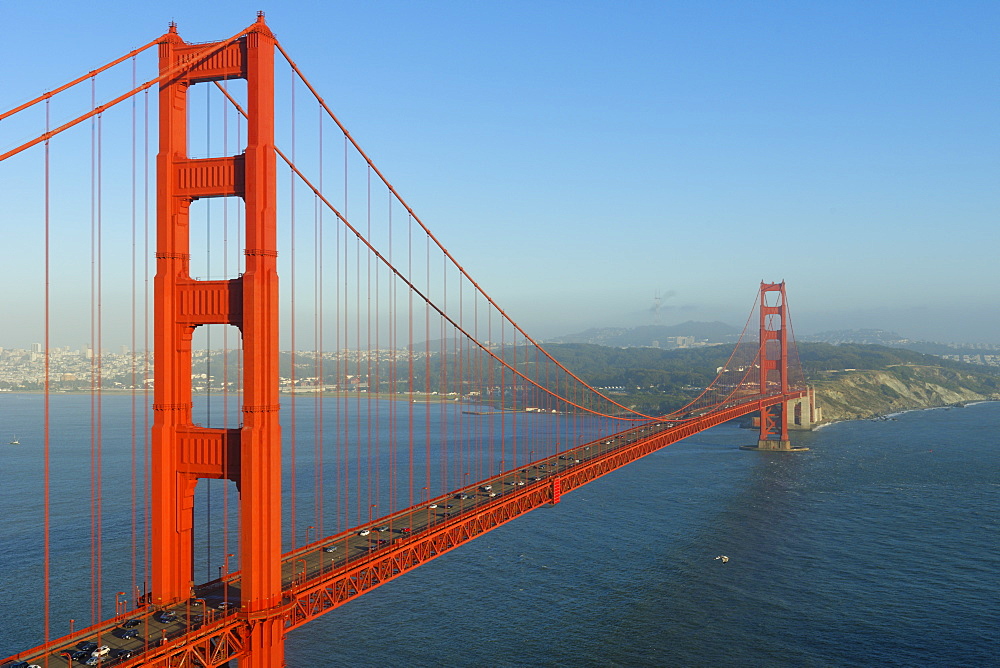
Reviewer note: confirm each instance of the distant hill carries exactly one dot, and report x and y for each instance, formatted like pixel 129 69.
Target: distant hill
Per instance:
pixel 852 380
pixel 654 336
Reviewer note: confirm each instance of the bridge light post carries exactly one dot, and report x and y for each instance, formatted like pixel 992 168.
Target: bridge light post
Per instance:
pixel 120 605
pixel 204 610
pixel 223 573
pixel 313 529
pixel 371 519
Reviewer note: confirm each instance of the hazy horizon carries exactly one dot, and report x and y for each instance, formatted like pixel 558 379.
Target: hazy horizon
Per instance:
pixel 580 159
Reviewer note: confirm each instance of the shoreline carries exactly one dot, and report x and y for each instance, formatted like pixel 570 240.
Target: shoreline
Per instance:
pixel 882 418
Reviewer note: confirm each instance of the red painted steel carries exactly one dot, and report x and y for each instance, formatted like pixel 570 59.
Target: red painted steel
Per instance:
pixel 227 636
pixel 250 455
pixel 184 453
pixel 326 591
pixel 773 360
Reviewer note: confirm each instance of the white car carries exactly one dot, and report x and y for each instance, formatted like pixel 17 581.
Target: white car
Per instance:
pixel 364 532
pixel 433 505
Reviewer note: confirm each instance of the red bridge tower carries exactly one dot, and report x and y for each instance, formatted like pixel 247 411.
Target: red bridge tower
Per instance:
pixel 183 453
pixel 773 360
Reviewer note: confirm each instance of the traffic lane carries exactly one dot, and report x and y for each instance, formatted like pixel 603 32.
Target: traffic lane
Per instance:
pixel 217 600
pixel 387 532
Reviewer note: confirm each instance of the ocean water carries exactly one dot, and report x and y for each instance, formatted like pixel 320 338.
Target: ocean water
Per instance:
pixel 879 546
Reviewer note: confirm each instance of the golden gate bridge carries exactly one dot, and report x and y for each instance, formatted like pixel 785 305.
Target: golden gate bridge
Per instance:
pixel 415 415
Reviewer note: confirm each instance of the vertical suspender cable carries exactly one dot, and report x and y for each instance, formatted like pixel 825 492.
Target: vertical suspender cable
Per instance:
pixel 293 425
pixel 99 356
pixel 427 374
pixel 443 386
pixel 410 352
pixel 372 464
pixel 392 371
pixel 132 342
pixel 46 415
pixel 93 371
pixel 146 472
pixel 321 373
pixel 343 353
pixel 359 404
pixel 341 451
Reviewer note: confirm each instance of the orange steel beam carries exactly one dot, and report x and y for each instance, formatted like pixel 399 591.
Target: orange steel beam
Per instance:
pixel 182 452
pixel 52 93
pixel 165 75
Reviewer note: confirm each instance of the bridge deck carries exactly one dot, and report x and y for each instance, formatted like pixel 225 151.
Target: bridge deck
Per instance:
pixel 207 629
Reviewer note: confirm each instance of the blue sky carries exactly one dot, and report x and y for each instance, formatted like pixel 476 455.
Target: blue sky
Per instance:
pixel 579 158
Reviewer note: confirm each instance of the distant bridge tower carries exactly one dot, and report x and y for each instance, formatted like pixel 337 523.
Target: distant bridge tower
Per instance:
pixel 773 357
pixel 183 453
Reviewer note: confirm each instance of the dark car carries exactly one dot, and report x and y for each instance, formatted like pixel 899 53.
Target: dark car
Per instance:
pixel 130 623
pixel 121 654
pixel 126 634
pixel 165 617
pixel 86 646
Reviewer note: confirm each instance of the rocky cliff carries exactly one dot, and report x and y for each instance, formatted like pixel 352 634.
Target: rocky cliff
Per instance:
pixel 857 394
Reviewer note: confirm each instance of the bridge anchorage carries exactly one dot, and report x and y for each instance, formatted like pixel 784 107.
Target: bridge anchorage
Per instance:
pixel 481 425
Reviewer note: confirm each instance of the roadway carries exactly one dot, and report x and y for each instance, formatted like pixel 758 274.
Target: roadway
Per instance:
pixel 216 604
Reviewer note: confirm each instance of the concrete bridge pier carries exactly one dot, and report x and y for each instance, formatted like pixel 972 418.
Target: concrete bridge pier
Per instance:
pixel 799 414
pixel 803 413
